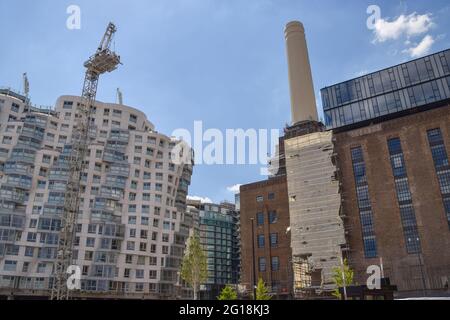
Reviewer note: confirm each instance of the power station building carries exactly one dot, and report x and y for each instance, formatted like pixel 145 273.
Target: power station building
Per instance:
pixel 131 227
pixel 392 141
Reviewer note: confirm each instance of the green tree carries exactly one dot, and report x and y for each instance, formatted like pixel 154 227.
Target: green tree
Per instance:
pixel 193 266
pixel 338 277
pixel 227 293
pixel 262 293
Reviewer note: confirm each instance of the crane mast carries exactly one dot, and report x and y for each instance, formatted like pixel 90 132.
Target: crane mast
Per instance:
pixel 104 60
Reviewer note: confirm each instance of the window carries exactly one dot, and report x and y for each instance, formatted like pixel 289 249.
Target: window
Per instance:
pixel 259 199
pixel 271 196
pixel 41 184
pixel 10 265
pixel 262 264
pixel 132 219
pixel 152 274
pixel 275 264
pixel 33 223
pixel 25 266
pixel 92 228
pixel 7 140
pixel 260 241
pixel 442 168
pixel 274 240
pixel 139 273
pixel 130 245
pixel 88 255
pixel 31 236
pixel 144 221
pixel 260 218
pixel 273 217
pixel 407 214
pixel 363 197
pixel 90 242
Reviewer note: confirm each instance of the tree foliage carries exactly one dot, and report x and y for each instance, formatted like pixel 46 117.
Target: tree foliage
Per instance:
pixel 338 278
pixel 194 264
pixel 262 293
pixel 227 293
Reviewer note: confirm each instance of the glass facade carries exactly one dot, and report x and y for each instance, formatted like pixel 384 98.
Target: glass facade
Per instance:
pixel 218 236
pixel 407 213
pixel 365 208
pixel 413 84
pixel 442 167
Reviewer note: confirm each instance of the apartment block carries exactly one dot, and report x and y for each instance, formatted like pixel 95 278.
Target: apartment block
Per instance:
pixel 218 231
pixel 131 226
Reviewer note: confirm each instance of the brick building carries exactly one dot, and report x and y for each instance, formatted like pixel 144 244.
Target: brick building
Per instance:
pixel 267 203
pixel 391 139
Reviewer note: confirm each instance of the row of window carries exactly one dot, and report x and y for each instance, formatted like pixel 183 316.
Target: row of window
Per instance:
pixel 388 103
pixel 275 264
pixel 272 216
pixel 365 209
pixel 388 80
pixel 407 214
pixel 442 167
pixel 270 196
pixel 273 240
pixel 404 197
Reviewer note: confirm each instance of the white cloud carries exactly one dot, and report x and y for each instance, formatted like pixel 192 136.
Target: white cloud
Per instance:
pixel 202 199
pixel 410 25
pixel 422 48
pixel 235 188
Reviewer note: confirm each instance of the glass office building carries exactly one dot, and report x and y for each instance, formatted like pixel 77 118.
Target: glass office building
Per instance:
pixel 416 84
pixel 218 226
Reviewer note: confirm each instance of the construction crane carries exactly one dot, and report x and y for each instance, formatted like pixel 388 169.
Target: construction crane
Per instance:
pixel 104 60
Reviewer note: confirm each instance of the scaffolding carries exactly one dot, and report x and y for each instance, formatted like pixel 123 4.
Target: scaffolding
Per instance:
pixel 104 60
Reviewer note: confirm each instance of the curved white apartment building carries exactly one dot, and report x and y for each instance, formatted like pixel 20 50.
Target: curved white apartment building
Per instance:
pixel 132 225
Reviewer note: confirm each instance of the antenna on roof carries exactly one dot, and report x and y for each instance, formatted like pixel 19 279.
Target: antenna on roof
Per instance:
pixel 26 90
pixel 119 96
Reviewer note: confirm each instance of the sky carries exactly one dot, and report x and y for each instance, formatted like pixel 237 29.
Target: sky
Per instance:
pixel 222 62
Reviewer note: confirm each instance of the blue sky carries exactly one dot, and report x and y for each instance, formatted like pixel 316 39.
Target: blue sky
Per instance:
pixel 222 62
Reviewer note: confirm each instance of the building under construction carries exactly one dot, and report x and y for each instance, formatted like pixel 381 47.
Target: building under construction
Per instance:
pixel 90 188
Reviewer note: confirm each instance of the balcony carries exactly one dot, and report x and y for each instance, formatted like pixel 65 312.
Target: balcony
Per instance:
pixel 116 182
pixel 36 120
pixel 58 175
pixel 23 155
pixel 113 156
pixel 18 181
pixel 11 194
pixel 105 215
pixel 33 131
pixel 12 167
pixel 53 210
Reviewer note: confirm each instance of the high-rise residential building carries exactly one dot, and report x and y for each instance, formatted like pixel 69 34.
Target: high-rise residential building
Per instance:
pixel 266 250
pixel 392 142
pixel 131 227
pixel 218 230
